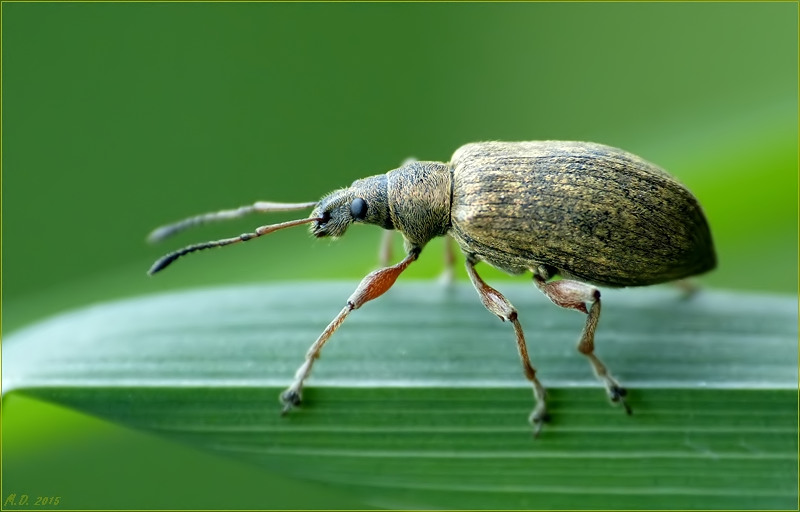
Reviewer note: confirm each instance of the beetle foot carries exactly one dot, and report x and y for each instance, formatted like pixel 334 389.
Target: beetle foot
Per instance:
pixel 538 418
pixel 616 394
pixel 290 398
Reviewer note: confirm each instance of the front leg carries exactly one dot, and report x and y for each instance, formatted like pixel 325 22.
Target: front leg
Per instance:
pixel 371 287
pixel 448 274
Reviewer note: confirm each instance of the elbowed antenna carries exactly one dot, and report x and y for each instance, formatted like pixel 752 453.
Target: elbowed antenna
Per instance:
pixel 163 262
pixel 258 207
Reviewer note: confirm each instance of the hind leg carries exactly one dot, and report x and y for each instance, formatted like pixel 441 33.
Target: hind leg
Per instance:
pixel 575 295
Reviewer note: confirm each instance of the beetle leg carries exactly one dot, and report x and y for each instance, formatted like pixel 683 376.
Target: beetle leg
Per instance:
pixel 371 287
pixel 500 306
pixel 574 295
pixel 687 287
pixel 385 255
pixel 385 248
pixel 449 261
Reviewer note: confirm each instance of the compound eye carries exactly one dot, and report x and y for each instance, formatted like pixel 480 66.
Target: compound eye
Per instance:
pixel 358 208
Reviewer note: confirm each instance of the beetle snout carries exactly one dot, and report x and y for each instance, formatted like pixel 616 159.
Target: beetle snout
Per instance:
pixel 332 215
pixel 322 227
pixel 319 228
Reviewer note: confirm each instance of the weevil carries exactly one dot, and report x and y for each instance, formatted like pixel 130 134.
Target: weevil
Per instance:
pixel 577 215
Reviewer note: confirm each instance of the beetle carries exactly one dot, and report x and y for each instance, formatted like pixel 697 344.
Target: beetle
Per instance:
pixel 577 215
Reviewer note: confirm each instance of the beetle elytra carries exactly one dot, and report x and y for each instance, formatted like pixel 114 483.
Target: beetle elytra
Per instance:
pixel 588 213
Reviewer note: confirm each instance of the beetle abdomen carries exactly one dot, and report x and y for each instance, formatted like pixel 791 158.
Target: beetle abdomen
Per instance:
pixel 595 213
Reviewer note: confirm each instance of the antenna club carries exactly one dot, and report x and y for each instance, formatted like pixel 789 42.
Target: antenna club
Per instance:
pixel 160 234
pixel 162 263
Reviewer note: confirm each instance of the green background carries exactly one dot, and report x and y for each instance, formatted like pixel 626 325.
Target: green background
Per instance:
pixel 119 117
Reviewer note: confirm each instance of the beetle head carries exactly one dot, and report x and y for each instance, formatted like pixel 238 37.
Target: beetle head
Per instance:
pixel 363 201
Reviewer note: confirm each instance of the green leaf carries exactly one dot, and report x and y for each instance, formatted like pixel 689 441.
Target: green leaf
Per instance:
pixel 419 399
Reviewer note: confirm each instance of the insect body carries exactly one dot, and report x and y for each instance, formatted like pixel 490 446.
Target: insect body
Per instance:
pixel 589 213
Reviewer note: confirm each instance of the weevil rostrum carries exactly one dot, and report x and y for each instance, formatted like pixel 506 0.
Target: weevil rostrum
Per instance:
pixel 590 214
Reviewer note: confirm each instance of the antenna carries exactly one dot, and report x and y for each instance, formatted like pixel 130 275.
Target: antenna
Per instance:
pixel 167 231
pixel 164 261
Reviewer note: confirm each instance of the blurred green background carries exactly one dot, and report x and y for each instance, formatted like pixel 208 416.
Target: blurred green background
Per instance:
pixel 119 117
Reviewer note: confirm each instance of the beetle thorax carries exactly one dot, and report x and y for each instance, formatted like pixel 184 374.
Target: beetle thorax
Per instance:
pixel 419 200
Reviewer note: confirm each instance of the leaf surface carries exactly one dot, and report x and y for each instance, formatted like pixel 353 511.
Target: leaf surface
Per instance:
pixel 418 401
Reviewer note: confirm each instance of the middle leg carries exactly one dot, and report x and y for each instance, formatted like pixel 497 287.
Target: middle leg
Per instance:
pixel 499 305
